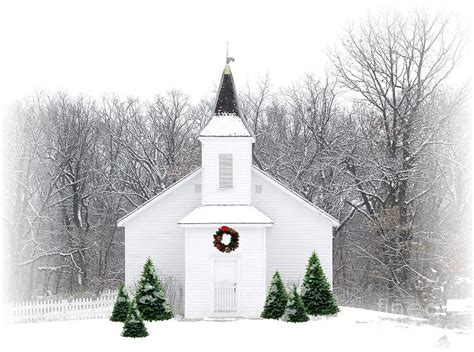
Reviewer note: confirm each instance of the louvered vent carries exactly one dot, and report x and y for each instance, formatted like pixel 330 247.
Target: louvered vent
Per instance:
pixel 225 171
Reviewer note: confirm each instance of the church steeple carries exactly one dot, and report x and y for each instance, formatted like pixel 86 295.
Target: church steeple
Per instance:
pixel 226 102
pixel 227 120
pixel 226 151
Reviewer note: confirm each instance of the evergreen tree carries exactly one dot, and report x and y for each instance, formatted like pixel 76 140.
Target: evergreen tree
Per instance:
pixel 316 291
pixel 276 299
pixel 294 311
pixel 121 306
pixel 134 326
pixel 150 297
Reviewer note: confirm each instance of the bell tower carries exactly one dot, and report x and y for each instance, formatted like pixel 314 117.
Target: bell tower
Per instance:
pixel 226 149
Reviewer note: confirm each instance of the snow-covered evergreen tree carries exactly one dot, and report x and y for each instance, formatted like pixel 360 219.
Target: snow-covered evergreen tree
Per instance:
pixel 122 304
pixel 276 299
pixel 295 311
pixel 316 292
pixel 150 296
pixel 134 326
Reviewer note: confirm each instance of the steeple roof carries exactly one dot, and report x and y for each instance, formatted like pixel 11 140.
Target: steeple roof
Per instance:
pixel 227 120
pixel 226 103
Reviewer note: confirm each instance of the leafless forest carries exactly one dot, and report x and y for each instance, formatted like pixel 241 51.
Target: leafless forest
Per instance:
pixel 381 142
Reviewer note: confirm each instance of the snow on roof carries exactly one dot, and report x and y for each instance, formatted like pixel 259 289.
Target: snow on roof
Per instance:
pixel 225 214
pixel 124 219
pixel 225 126
pixel 297 196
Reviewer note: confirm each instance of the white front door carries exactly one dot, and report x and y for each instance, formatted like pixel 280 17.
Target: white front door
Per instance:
pixel 225 285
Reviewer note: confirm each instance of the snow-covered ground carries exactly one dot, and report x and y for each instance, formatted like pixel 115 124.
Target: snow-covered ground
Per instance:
pixel 351 330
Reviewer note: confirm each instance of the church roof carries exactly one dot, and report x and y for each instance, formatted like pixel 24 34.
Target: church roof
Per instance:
pixel 187 178
pixel 226 214
pixel 225 126
pixel 227 120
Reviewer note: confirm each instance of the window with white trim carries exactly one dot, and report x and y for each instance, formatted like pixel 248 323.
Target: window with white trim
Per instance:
pixel 226 179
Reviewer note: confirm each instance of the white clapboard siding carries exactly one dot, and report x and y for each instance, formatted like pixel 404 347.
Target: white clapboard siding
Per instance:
pixel 297 231
pixel 200 257
pixel 65 309
pixel 241 151
pixel 154 233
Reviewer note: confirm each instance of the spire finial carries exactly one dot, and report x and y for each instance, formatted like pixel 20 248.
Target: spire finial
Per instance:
pixel 227 58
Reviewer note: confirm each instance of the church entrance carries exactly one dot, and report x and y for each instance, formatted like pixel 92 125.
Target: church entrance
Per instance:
pixel 225 285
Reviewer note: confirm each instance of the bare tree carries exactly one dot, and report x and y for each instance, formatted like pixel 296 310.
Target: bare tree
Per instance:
pixel 396 67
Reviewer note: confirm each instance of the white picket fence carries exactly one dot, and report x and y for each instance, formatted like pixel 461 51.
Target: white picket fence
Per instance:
pixel 65 309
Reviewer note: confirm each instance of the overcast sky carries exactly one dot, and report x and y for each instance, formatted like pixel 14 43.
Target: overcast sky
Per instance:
pixel 140 48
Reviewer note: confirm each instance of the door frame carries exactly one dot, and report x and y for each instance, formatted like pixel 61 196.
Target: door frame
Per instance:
pixel 237 293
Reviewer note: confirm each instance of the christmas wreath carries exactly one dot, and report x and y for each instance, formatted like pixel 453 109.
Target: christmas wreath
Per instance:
pixel 234 239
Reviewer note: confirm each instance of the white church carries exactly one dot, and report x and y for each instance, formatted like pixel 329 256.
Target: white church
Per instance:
pixel 277 228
